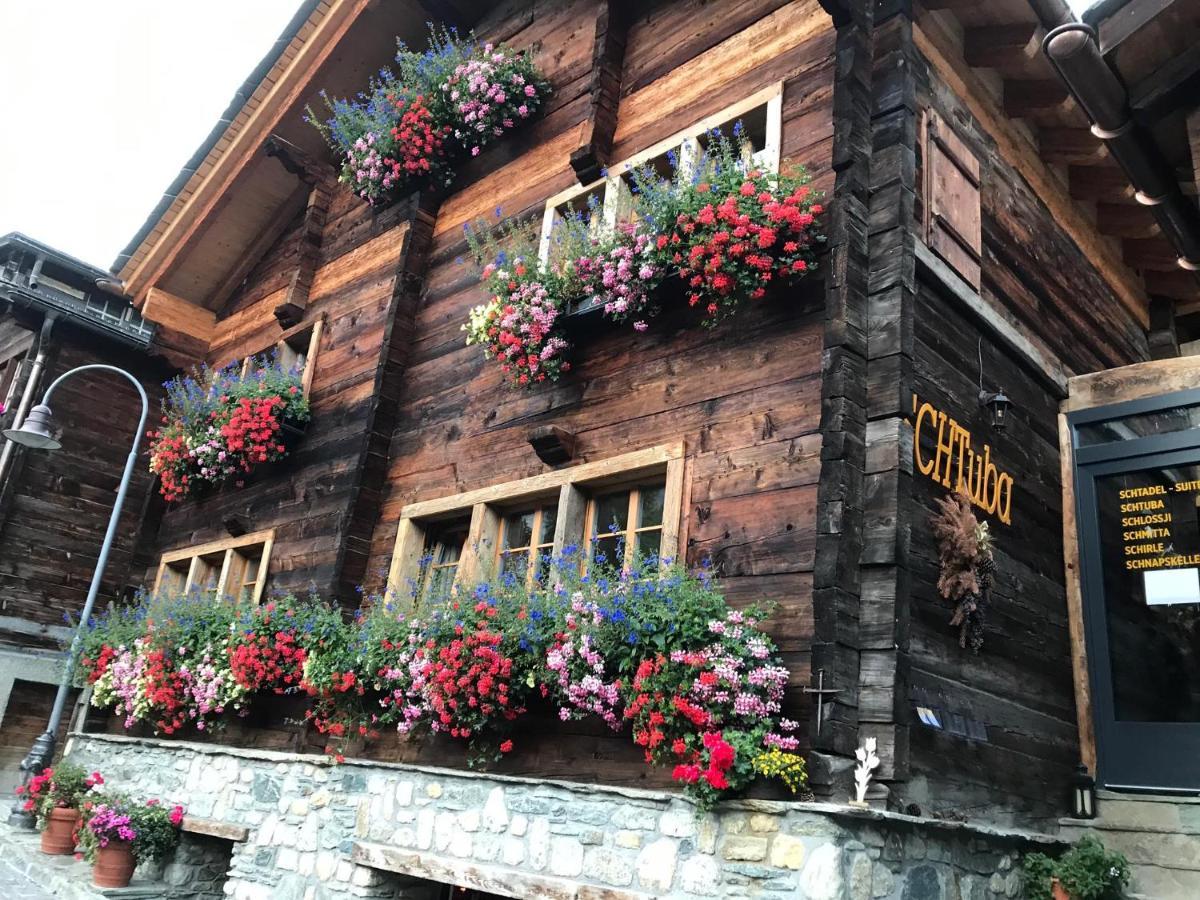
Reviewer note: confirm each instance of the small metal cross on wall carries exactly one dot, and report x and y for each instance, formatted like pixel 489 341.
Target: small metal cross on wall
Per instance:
pixel 820 690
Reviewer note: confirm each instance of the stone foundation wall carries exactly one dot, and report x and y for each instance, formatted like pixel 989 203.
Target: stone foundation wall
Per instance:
pixel 320 831
pixel 198 868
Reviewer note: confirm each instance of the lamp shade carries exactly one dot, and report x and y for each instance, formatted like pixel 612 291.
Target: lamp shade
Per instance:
pixel 35 431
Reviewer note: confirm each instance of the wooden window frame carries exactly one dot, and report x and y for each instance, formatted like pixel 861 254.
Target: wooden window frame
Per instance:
pixel 300 340
pixel 573 488
pixel 631 531
pixel 616 193
pixel 228 548
pixel 536 548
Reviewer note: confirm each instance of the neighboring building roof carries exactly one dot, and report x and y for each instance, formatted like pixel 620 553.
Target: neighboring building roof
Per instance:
pixel 227 122
pixel 34 274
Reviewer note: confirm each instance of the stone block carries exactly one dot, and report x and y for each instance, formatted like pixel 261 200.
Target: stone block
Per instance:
pixel 760 823
pixel 404 793
pixel 518 826
pixel 744 848
pixel 882 881
pixel 495 813
pixel 566 857
pixel 860 876
pixel 700 875
pixel 538 845
pixel 821 878
pixel 656 865
pixel 629 840
pixel 469 820
pixel 607 866
pixel 787 852
pixel 678 821
pixel 512 852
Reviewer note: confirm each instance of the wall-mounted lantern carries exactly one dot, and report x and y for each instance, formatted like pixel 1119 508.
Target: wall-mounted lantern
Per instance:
pixel 1083 794
pixel 997 403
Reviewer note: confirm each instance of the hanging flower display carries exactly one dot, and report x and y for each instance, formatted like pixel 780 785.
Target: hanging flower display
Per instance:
pixel 726 229
pixel 411 123
pixel 221 423
pixel 966 566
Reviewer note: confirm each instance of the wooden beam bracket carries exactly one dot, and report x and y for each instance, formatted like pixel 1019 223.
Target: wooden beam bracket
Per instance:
pixel 608 57
pixel 291 311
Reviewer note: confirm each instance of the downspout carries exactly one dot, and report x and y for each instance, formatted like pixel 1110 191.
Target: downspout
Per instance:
pixel 27 395
pixel 1073 51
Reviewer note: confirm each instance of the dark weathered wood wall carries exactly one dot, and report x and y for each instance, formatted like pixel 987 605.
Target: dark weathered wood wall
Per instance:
pixel 1019 688
pixel 57 505
pixel 313 498
pixel 745 398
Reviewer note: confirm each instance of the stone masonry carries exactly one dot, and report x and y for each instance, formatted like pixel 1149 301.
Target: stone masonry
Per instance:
pixel 324 831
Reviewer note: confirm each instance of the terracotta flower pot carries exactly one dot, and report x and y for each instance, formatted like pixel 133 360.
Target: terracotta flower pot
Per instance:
pixel 114 865
pixel 1060 892
pixel 58 838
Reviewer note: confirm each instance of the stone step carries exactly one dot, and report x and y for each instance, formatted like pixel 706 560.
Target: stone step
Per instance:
pixel 1150 812
pixel 1164 884
pixel 1147 848
pixel 64 876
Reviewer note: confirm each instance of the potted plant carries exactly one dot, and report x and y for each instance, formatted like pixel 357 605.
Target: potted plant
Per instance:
pixel 54 796
pixel 1085 872
pixel 120 834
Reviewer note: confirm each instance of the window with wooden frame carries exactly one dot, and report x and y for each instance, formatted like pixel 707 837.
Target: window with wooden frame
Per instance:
pixel 952 214
pixel 626 522
pixel 444 543
pixel 296 350
pixel 608 202
pixel 526 541
pixel 514 527
pixel 235 567
pixel 11 368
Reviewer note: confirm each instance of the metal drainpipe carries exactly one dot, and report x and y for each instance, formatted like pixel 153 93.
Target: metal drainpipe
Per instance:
pixel 27 395
pixel 1075 55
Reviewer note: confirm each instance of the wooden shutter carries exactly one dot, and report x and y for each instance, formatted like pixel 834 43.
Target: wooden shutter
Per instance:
pixel 951 188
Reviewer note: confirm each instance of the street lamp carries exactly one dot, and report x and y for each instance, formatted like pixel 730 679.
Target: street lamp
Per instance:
pixel 36 432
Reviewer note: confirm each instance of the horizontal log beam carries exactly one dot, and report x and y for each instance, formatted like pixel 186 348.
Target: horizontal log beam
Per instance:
pixel 1126 220
pixel 1100 183
pixel 1150 253
pixel 1178 285
pixel 1063 146
pixel 1023 99
pixel 1009 48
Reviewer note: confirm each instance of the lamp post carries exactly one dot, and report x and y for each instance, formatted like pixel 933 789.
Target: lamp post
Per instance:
pixel 35 432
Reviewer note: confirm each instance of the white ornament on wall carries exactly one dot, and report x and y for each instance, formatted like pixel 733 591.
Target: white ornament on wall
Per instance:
pixel 868 762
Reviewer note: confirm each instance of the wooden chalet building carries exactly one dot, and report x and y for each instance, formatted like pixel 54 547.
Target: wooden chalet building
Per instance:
pixel 57 313
pixel 989 233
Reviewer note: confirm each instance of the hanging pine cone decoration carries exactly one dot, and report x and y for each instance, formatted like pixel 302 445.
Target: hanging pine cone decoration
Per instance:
pixel 967 567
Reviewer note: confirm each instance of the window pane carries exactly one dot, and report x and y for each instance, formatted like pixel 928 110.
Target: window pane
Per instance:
pixel 649 543
pixel 651 512
pixel 516 563
pixel 612 514
pixel 440 581
pixel 549 518
pixel 518 530
pixel 609 549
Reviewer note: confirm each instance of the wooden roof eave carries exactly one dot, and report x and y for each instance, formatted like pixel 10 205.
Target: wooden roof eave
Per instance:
pixel 282 88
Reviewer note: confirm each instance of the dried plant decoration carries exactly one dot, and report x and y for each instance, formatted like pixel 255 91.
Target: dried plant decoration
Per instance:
pixel 966 566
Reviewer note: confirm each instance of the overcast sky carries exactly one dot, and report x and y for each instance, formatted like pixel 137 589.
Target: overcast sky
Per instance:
pixel 103 101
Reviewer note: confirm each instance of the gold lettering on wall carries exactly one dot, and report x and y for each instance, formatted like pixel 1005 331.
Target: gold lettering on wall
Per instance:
pixel 956 464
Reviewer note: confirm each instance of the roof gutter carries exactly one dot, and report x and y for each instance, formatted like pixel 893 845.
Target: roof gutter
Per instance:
pixel 1074 53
